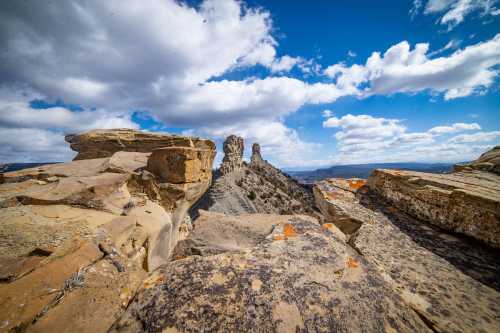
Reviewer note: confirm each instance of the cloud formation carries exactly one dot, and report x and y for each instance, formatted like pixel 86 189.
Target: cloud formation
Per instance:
pixel 360 138
pixel 453 12
pixel 404 70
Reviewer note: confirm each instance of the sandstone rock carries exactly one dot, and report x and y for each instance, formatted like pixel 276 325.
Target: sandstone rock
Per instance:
pixel 465 202
pixel 258 188
pixel 126 218
pixel 104 143
pixel 489 161
pixel 181 164
pixel 233 154
pixel 256 157
pixel 293 275
pixel 450 281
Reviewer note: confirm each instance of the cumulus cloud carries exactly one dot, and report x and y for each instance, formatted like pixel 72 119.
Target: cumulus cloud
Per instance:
pixel 453 12
pixel 402 69
pixel 363 138
pixel 37 135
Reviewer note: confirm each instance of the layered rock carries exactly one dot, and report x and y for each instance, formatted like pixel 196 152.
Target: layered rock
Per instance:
pixel 449 280
pixel 233 154
pixel 266 273
pixel 489 161
pixel 104 143
pixel 464 202
pixel 256 188
pixel 78 238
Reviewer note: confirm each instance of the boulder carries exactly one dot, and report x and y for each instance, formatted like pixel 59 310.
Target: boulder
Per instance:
pixel 464 202
pixel 450 281
pixel 233 154
pixel 104 143
pixel 287 274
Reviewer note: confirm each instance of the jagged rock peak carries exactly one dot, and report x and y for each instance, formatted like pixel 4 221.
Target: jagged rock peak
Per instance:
pixel 233 154
pixel 256 156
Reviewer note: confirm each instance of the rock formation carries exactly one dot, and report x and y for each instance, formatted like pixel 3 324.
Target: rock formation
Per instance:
pixel 448 279
pixel 255 188
pixel 104 143
pixel 78 238
pixel 489 161
pixel 233 154
pixel 267 273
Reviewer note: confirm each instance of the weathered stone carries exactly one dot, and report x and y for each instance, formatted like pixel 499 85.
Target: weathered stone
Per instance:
pixel 293 275
pixel 129 218
pixel 465 202
pixel 233 154
pixel 489 161
pixel 181 164
pixel 450 281
pixel 104 143
pixel 257 188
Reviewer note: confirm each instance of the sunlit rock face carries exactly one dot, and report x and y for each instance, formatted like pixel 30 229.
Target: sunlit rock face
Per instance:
pixel 233 154
pixel 104 143
pixel 410 226
pixel 95 224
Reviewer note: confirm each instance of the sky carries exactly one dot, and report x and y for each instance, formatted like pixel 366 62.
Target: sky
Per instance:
pixel 316 83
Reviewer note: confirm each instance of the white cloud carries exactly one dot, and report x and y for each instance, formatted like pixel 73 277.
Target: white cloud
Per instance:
pixel 351 54
pixel 363 138
pixel 453 12
pixel 327 113
pixel 454 128
pixel 37 135
pixel 476 137
pixel 400 69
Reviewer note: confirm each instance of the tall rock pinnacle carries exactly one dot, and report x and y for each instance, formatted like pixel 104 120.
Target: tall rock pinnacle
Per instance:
pixel 256 157
pixel 233 154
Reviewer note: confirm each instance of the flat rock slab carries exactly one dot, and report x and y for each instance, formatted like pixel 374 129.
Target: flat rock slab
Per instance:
pixel 465 202
pixel 299 278
pixel 449 279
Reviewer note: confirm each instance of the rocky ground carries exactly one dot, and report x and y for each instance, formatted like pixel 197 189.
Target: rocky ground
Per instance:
pixel 105 244
pixel 257 187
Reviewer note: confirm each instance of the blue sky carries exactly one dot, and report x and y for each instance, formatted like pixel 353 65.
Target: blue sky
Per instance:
pixel 301 78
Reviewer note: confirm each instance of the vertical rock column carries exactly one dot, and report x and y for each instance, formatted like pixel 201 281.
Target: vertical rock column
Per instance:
pixel 233 154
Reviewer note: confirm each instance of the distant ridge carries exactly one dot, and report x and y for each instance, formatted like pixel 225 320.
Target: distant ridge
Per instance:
pixel 364 170
pixel 19 166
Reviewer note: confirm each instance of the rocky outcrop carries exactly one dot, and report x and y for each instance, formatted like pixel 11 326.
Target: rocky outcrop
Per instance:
pixel 449 280
pixel 464 202
pixel 78 238
pixel 255 188
pixel 267 273
pixel 104 143
pixel 233 154
pixel 489 161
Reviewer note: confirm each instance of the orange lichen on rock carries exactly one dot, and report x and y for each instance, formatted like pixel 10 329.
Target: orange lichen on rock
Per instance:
pixel 279 237
pixel 356 184
pixel 352 263
pixel 327 225
pixel 289 230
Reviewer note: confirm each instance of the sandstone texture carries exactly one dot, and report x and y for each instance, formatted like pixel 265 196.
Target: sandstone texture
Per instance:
pixel 268 273
pixel 450 280
pixel 77 239
pixel 467 202
pixel 255 188
pixel 104 143
pixel 233 154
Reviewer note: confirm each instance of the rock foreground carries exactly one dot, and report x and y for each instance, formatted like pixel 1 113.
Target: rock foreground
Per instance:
pixel 78 238
pixel 105 244
pixel 450 280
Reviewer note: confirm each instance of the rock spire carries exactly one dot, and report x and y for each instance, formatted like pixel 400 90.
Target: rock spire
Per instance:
pixel 233 154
